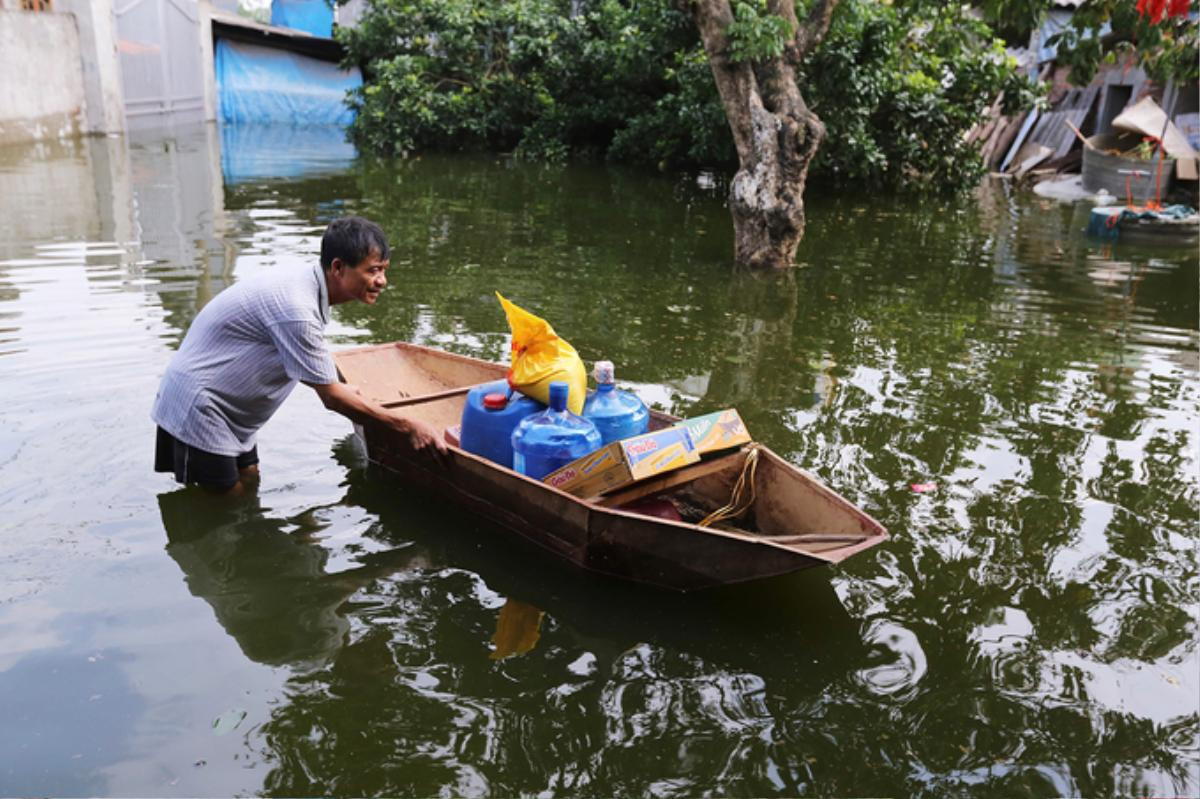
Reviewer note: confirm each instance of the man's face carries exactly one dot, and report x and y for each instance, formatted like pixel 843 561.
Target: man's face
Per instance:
pixel 364 281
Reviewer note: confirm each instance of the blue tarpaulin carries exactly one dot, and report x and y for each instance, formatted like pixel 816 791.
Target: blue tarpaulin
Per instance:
pixel 265 85
pixel 313 16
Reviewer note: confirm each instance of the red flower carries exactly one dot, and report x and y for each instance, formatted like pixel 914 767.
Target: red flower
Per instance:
pixel 1157 9
pixel 1152 8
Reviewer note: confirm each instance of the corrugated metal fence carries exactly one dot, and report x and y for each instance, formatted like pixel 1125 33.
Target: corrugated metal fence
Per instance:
pixel 161 61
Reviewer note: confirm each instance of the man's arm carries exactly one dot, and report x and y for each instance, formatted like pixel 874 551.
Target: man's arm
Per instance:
pixel 350 403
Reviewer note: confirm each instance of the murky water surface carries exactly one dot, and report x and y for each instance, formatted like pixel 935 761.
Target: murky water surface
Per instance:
pixel 1029 629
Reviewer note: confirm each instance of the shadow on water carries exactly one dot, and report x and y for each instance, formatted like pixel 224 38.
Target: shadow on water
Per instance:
pixel 795 616
pixel 265 578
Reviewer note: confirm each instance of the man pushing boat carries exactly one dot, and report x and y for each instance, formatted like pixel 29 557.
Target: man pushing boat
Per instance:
pixel 249 347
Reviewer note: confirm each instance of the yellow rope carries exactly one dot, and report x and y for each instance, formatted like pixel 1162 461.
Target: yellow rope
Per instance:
pixel 739 502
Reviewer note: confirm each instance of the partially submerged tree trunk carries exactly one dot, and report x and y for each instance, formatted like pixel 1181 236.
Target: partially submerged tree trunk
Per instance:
pixel 775 133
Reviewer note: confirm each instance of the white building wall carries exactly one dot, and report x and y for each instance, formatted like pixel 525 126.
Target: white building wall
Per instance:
pixel 41 80
pixel 348 13
pixel 101 66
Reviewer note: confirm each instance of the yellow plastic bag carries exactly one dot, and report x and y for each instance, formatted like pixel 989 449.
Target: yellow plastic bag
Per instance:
pixel 540 356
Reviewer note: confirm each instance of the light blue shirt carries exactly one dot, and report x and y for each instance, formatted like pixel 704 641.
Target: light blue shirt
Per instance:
pixel 243 355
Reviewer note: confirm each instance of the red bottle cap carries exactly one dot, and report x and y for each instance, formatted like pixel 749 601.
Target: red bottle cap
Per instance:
pixel 495 401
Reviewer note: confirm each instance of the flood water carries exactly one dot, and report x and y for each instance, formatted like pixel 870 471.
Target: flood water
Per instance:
pixel 1029 629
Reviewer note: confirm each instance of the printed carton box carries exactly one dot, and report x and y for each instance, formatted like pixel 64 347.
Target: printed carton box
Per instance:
pixel 623 462
pixel 716 431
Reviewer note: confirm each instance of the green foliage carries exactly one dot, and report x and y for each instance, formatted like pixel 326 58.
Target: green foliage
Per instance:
pixel 685 127
pixel 446 73
pixel 1014 20
pixel 628 80
pixel 756 34
pixel 898 86
pixel 531 77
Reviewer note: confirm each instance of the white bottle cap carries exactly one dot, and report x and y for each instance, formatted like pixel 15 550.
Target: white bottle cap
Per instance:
pixel 603 372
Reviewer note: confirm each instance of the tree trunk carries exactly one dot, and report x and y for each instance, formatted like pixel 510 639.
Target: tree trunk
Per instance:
pixel 775 132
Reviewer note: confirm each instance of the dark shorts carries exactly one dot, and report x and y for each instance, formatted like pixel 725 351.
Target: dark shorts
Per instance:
pixel 191 465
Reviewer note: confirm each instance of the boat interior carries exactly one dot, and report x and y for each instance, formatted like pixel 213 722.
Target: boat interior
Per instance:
pixel 762 494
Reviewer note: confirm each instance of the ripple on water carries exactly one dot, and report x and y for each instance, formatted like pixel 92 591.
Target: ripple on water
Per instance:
pixel 904 663
pixel 1046 385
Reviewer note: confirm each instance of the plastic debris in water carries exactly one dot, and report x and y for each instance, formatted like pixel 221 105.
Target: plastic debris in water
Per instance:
pixel 517 629
pixel 924 488
pixel 228 721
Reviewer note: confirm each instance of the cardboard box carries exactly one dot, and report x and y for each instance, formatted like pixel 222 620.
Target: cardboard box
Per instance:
pixel 623 462
pixel 716 431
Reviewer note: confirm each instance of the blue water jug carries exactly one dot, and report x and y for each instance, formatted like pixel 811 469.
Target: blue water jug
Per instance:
pixel 551 439
pixel 616 414
pixel 490 415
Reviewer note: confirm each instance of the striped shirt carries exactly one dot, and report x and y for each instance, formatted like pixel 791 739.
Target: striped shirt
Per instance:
pixel 243 355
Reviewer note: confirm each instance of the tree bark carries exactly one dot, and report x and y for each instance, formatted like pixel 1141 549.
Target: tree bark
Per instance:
pixel 774 131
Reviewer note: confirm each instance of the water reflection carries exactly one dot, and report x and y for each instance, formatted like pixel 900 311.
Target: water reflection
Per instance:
pixel 57 736
pixel 280 152
pixel 266 578
pixel 760 341
pixel 581 680
pixel 903 665
pixel 89 181
pixel 186 240
pixel 1027 629
pixel 590 708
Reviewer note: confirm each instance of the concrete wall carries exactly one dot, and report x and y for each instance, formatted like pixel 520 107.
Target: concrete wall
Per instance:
pixel 101 66
pixel 41 80
pixel 207 56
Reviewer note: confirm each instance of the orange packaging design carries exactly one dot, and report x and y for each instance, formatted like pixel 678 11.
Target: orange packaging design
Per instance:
pixel 716 431
pixel 625 461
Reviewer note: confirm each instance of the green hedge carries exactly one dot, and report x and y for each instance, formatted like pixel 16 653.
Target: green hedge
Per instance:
pixel 897 86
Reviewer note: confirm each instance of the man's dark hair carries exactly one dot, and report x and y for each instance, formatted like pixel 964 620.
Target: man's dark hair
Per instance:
pixel 352 239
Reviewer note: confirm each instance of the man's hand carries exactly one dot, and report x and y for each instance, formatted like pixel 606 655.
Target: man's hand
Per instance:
pixel 350 402
pixel 420 435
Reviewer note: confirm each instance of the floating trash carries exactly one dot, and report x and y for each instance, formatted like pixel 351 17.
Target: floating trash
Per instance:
pixel 228 721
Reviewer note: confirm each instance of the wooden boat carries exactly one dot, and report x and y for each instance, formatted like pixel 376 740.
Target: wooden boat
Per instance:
pixel 794 523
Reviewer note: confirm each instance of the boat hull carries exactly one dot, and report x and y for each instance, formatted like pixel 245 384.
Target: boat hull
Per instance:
pixel 609 541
